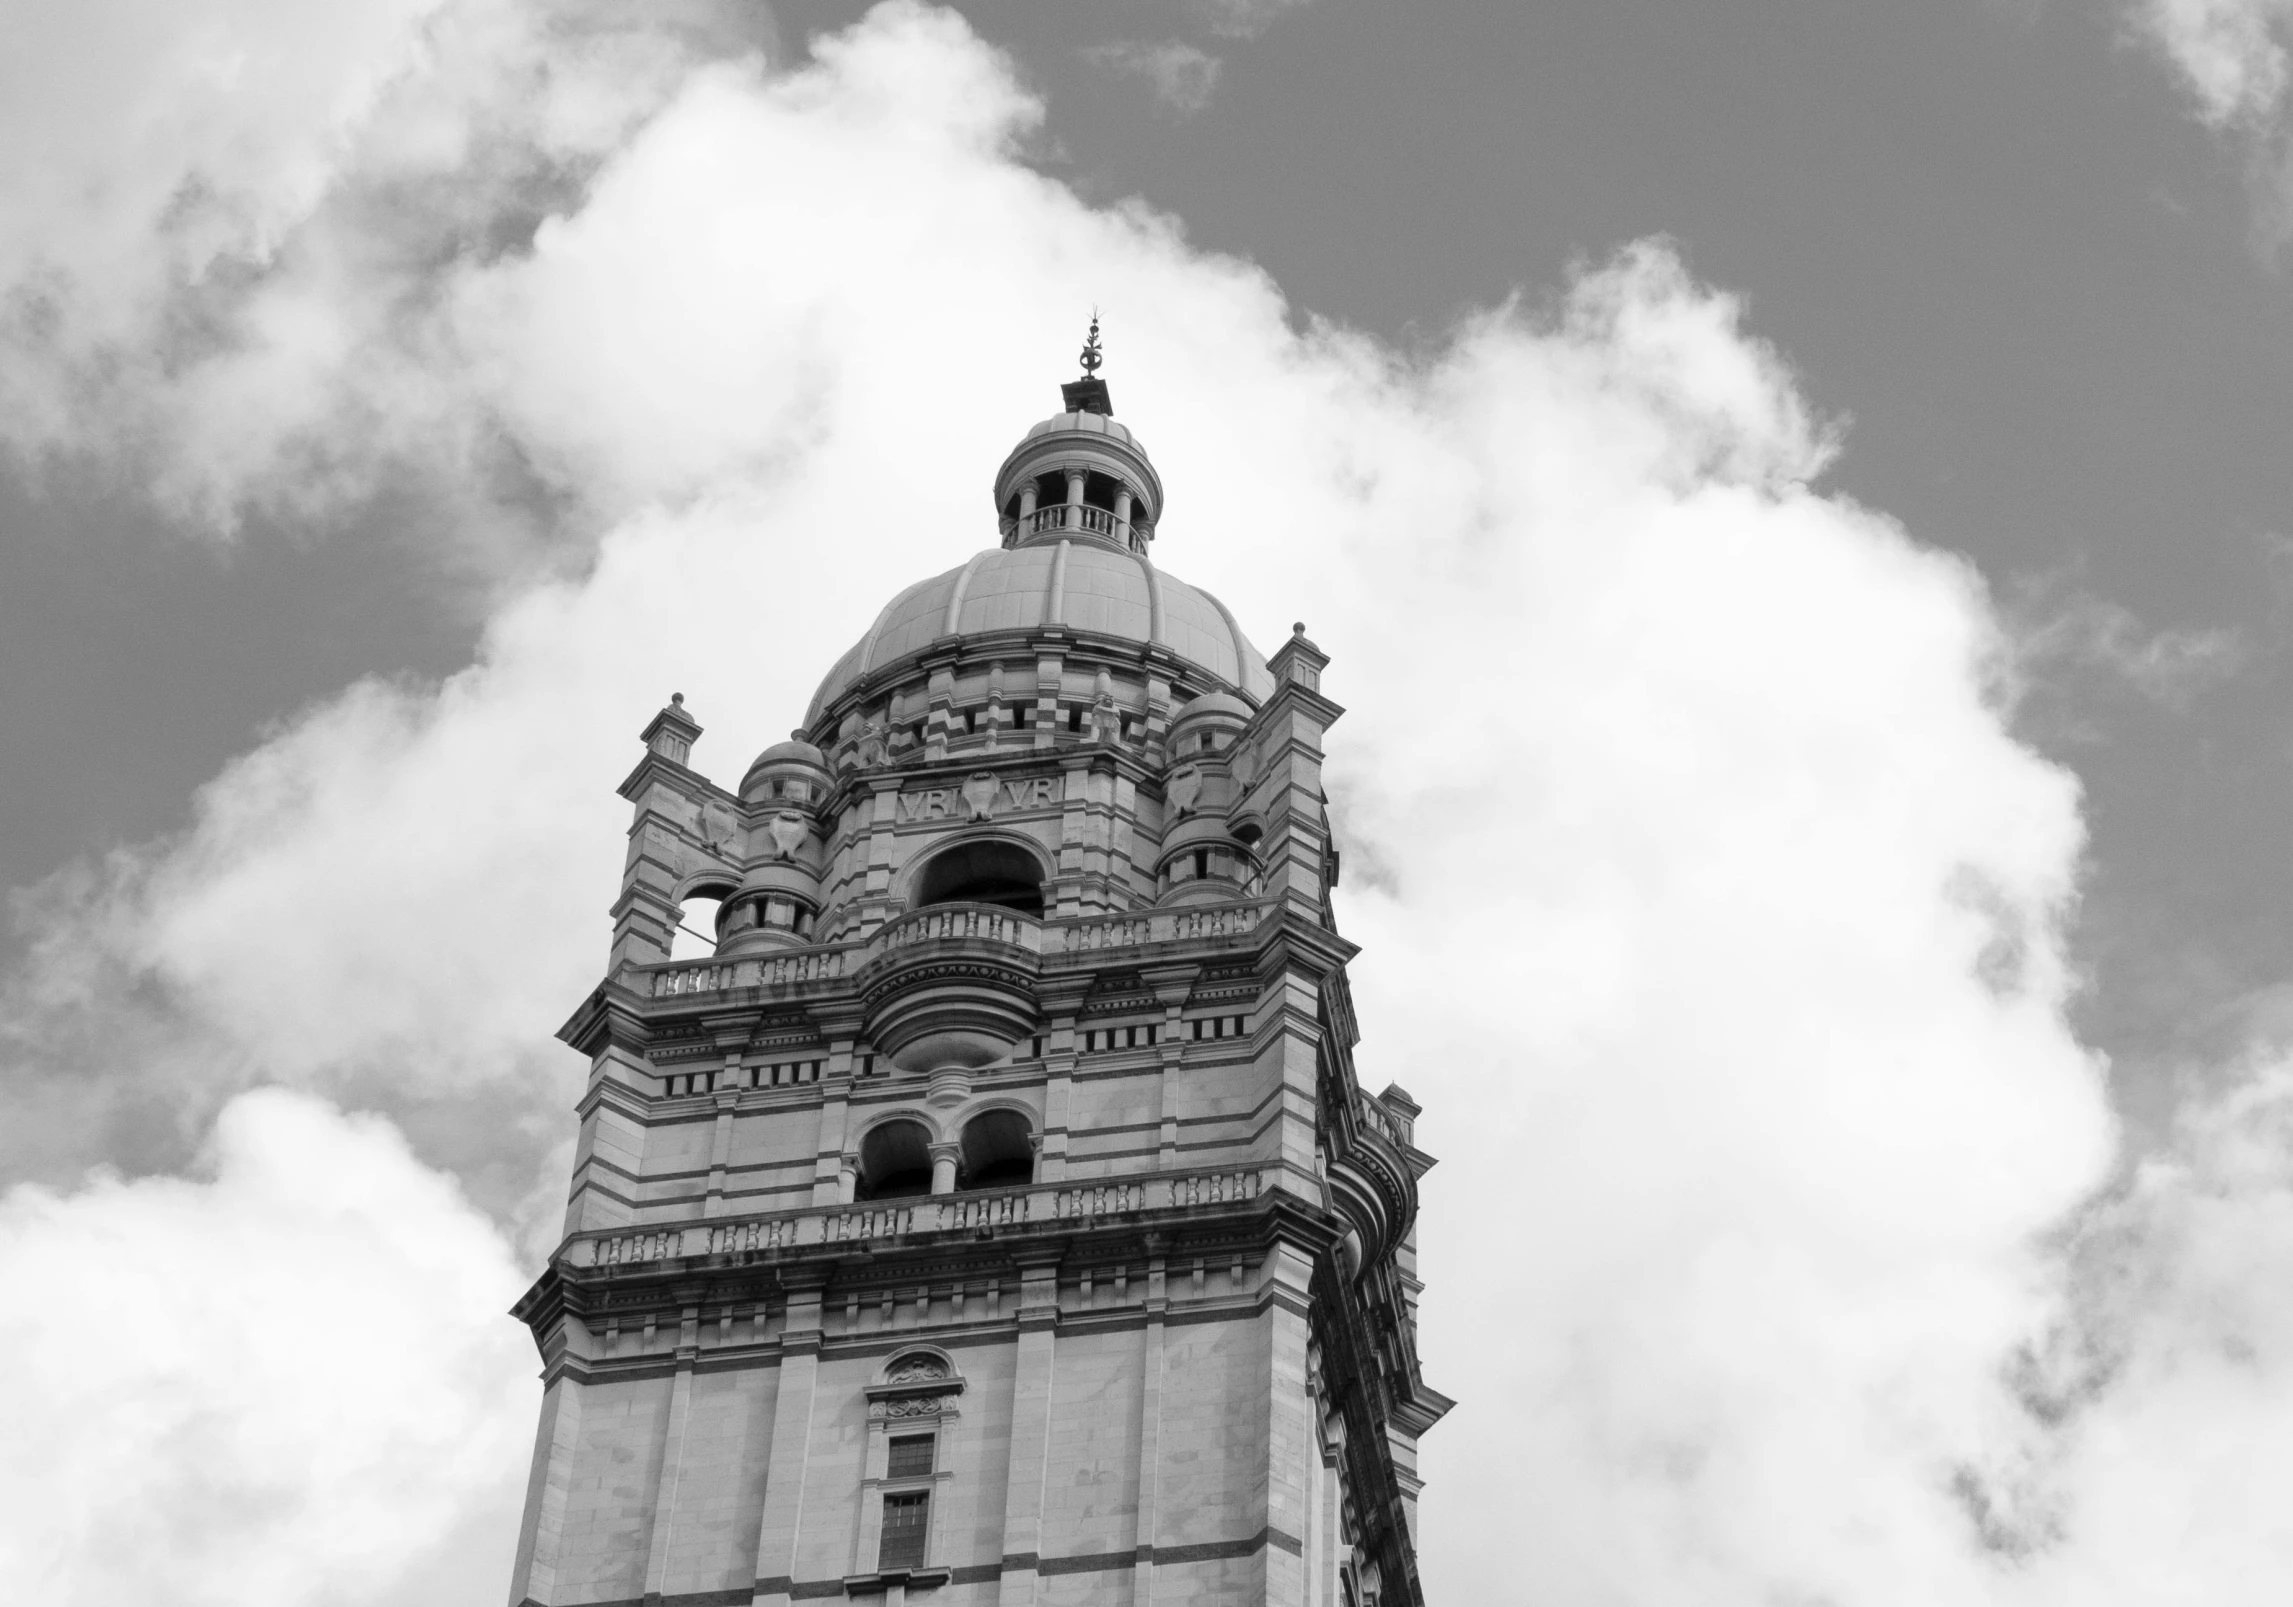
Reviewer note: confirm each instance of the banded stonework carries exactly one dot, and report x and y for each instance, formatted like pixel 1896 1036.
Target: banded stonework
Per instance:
pixel 994 1217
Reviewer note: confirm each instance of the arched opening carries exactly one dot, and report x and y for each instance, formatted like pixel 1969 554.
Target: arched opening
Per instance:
pixel 698 924
pixel 895 1162
pixel 998 1151
pixel 1099 490
pixel 988 872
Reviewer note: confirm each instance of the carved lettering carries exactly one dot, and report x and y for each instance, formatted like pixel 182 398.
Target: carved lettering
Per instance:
pixel 928 805
pixel 981 797
pixel 1028 794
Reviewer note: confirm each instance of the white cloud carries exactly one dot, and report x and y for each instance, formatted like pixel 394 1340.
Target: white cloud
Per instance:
pixel 2230 53
pixel 2231 57
pixel 290 1382
pixel 1181 75
pixel 225 226
pixel 1709 905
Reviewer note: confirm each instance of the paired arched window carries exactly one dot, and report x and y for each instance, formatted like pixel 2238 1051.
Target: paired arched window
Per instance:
pixel 997 1150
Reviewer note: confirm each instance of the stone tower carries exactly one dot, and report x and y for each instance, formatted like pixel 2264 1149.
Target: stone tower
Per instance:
pixel 995 1217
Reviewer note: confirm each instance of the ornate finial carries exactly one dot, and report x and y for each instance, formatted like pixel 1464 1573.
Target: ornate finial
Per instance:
pixel 677 699
pixel 1089 394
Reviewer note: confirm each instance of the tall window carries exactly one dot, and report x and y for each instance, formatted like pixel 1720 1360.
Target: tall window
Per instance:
pixel 905 1518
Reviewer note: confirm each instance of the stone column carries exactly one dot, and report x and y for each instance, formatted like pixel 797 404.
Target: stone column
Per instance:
pixel 944 1157
pixel 1123 516
pixel 1074 515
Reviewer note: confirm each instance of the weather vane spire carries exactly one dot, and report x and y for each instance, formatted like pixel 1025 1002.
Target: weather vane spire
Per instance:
pixel 1089 394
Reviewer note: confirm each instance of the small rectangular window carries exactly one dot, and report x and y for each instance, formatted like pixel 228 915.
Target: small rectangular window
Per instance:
pixel 905 1519
pixel 911 1456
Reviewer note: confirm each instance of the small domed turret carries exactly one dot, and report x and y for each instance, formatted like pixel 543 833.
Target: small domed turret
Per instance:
pixel 794 771
pixel 1208 724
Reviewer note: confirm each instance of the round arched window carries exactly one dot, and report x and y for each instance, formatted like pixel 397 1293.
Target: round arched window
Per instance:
pixel 998 1150
pixel 988 872
pixel 895 1162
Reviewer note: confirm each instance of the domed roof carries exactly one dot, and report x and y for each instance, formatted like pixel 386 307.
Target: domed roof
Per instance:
pixel 792 754
pixel 795 750
pixel 1087 423
pixel 1098 590
pixel 1212 703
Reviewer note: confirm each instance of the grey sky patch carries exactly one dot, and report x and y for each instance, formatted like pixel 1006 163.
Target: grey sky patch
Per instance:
pixel 1181 75
pixel 1243 19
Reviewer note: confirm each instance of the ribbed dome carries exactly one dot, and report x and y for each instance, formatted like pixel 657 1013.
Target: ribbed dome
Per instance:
pixel 1102 591
pixel 1086 423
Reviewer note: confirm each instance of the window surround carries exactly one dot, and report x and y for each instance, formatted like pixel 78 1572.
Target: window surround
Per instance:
pixel 916 1394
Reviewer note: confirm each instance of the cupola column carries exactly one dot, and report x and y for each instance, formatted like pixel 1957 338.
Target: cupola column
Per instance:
pixel 1074 519
pixel 1123 516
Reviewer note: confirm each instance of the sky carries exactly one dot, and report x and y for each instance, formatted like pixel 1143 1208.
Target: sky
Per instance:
pixel 1796 499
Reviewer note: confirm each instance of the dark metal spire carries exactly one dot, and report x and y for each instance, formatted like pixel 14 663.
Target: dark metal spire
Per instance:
pixel 1089 394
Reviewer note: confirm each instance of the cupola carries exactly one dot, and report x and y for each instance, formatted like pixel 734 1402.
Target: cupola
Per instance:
pixel 1079 475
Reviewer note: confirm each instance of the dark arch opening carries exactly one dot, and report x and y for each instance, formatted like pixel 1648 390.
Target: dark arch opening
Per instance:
pixel 983 873
pixel 1099 490
pixel 895 1162
pixel 998 1150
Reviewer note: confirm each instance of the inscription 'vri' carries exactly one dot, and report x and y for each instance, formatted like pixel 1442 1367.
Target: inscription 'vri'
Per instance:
pixel 979 798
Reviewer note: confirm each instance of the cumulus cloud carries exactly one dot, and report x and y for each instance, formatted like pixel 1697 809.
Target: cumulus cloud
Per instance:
pixel 1181 75
pixel 285 1380
pixel 2230 57
pixel 1710 906
pixel 229 230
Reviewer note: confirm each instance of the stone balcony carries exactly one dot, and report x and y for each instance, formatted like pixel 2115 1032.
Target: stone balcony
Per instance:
pixel 950 926
pixel 1063 1206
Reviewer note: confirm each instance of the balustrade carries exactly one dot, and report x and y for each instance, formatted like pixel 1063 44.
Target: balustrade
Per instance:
pixel 968 1212
pixel 980 922
pixel 1052 518
pixel 1162 926
pixel 769 971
